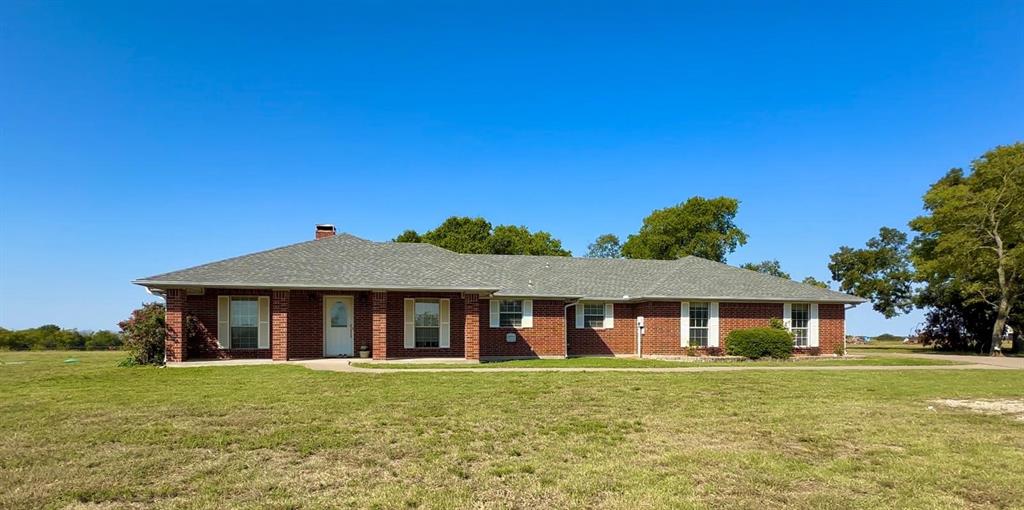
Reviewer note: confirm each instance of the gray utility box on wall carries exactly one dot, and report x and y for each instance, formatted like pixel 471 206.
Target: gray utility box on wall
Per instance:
pixel 510 338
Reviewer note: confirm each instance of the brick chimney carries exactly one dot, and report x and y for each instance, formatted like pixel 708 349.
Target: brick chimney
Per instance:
pixel 325 230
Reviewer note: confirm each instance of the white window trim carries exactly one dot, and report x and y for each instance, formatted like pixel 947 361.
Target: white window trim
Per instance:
pixel 714 330
pixel 813 326
pixel 706 328
pixel 443 323
pixel 494 314
pixel 415 327
pixel 224 340
pixel 608 315
pixel 788 308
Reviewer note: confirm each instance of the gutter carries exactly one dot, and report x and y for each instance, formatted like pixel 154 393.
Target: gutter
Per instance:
pixel 161 285
pixel 158 285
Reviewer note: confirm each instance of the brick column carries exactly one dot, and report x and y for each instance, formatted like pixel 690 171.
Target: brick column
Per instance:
pixel 279 304
pixel 174 345
pixel 380 324
pixel 472 329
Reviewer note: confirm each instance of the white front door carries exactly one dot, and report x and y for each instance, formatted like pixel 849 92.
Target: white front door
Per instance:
pixel 338 327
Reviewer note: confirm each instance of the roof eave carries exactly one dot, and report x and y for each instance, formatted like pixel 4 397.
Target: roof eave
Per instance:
pixel 173 284
pixel 851 300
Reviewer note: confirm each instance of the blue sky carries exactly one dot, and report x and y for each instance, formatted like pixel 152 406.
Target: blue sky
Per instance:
pixel 139 137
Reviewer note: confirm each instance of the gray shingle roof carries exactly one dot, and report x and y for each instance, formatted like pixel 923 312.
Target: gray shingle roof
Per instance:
pixel 348 262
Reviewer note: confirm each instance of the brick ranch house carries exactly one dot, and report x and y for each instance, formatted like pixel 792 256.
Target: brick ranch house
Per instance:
pixel 339 294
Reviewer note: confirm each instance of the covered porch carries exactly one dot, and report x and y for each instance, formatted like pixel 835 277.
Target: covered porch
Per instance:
pixel 291 324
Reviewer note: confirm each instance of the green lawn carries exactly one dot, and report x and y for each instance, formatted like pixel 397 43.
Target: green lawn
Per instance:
pixel 897 347
pixel 282 436
pixel 599 362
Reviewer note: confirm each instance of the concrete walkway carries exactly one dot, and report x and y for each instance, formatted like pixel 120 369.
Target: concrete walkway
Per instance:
pixel 995 361
pixel 345 365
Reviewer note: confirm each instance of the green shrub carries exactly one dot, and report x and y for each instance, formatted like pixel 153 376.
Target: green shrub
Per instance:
pixel 760 343
pixel 143 335
pixel 840 350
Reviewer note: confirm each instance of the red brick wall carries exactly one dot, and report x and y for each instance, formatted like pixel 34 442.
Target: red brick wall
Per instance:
pixel 363 333
pixel 620 339
pixel 661 332
pixel 279 305
pixel 830 327
pixel 396 326
pixel 306 322
pixel 545 338
pixel 745 315
pixel 379 324
pixel 304 326
pixel 175 344
pixel 204 344
pixel 661 327
pixel 300 320
pixel 472 326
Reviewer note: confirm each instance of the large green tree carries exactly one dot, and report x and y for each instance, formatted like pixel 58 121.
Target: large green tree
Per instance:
pixel 966 263
pixel 770 267
pixel 518 240
pixel 606 246
pixel 476 235
pixel 880 272
pixel 810 280
pixel 700 226
pixel 973 233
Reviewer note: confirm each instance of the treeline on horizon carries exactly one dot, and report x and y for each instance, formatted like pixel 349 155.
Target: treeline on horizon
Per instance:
pixel 52 337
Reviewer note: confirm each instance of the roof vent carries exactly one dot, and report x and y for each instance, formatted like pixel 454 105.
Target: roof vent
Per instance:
pixel 325 230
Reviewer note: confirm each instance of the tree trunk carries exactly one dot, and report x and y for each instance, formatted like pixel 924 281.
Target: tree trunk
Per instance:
pixel 1002 312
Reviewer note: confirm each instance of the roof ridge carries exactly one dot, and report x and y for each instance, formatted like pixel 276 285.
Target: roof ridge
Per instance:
pixel 342 235
pixel 779 278
pixel 671 274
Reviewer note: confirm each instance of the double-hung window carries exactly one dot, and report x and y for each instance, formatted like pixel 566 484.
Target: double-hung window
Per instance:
pixel 593 315
pixel 428 323
pixel 799 318
pixel 510 313
pixel 699 324
pixel 245 325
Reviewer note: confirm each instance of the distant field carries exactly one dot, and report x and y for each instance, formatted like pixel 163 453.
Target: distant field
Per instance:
pixel 879 347
pixel 91 435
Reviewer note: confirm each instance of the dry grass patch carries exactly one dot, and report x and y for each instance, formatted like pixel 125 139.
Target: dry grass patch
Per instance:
pixel 93 435
pixel 1013 408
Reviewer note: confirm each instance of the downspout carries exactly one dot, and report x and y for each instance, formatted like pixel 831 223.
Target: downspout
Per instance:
pixel 565 326
pixel 847 307
pixel 640 336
